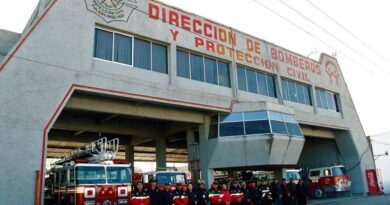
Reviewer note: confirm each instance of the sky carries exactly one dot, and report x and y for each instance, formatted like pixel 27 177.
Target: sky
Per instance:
pixel 361 50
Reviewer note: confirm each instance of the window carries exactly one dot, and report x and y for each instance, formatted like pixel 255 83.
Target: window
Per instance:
pixel 201 68
pixel 183 64
pixel 118 175
pixel 142 54
pixel 255 122
pixel 326 100
pixel 296 92
pixel 159 58
pixel 211 71
pixel 103 45
pixel 123 49
pixel 255 82
pixel 213 131
pixel 117 47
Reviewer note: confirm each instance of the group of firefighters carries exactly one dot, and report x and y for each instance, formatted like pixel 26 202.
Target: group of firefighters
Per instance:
pixel 260 193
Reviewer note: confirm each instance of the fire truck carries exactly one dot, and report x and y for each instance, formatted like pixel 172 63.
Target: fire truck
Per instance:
pixel 171 177
pixel 90 175
pixel 328 181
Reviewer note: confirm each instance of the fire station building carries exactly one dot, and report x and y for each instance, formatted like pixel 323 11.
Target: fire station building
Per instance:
pixel 173 87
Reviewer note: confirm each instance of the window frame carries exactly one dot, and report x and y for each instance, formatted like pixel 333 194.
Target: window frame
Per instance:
pixel 335 102
pixel 204 57
pixel 257 72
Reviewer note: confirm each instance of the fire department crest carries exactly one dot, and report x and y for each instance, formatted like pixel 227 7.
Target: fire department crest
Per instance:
pixel 112 10
pixel 332 71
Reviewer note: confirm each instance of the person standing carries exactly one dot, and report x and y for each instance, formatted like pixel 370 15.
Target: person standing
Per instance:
pixel 236 194
pixel 226 197
pixel 293 191
pixel 180 197
pixel 215 195
pixel 167 195
pixel 202 194
pixel 265 193
pixel 255 194
pixel 285 192
pixel 276 192
pixel 154 194
pixel 247 195
pixel 302 193
pixel 140 196
pixel 192 196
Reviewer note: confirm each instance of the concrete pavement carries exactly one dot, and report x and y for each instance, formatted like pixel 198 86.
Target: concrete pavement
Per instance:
pixel 356 200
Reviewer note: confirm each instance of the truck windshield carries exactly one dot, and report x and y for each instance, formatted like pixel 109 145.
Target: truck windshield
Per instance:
pixel 90 175
pixel 171 178
pixel 118 175
pixel 339 171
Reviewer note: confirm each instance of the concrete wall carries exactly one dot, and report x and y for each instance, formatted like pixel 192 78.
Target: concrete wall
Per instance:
pixel 56 58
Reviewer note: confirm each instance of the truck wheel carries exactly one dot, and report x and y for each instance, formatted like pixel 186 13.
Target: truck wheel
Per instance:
pixel 318 193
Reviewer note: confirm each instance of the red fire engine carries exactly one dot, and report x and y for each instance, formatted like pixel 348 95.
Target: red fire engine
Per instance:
pixel 328 180
pixel 90 175
pixel 165 177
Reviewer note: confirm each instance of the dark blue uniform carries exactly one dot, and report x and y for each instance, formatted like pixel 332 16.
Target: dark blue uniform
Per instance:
pixel 166 197
pixel 202 196
pixel 192 198
pixel 155 196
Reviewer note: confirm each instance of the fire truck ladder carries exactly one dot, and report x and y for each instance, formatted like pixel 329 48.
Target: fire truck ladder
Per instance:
pixel 96 151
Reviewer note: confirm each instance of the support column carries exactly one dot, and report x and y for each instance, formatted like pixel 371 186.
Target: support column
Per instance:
pixel 193 155
pixel 129 156
pixel 207 174
pixel 161 153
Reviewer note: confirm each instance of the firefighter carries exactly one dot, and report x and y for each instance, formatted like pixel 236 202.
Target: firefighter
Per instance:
pixel 247 195
pixel 215 195
pixel 154 194
pixel 255 194
pixel 180 197
pixel 140 196
pixel 302 193
pixel 236 194
pixel 276 192
pixel 202 193
pixel 167 195
pixel 192 196
pixel 292 187
pixel 265 192
pixel 226 197
pixel 285 193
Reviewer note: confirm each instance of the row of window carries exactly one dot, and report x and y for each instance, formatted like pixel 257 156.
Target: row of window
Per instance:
pixel 148 55
pixel 296 92
pixel 326 100
pixel 250 123
pixel 201 68
pixel 131 51
pixel 255 82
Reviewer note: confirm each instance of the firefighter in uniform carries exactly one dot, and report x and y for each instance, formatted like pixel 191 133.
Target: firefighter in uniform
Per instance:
pixel 276 192
pixel 265 192
pixel 180 197
pixel 202 194
pixel 215 195
pixel 292 187
pixel 192 196
pixel 285 193
pixel 247 200
pixel 167 195
pixel 236 194
pixel 226 197
pixel 255 194
pixel 140 196
pixel 154 194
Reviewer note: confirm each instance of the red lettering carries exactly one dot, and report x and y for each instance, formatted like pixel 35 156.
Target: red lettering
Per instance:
pixel 301 63
pixel 174 34
pixel 290 71
pixel 248 58
pixel 210 46
pixel 153 11
pixel 232 38
pixel 195 25
pixel 249 45
pixel 208 30
pixel 274 54
pixel 280 56
pixel 174 18
pixel 164 15
pixel 185 22
pixel 199 42
pixel 240 56
pixel 257 48
pixel 220 49
pixel 222 35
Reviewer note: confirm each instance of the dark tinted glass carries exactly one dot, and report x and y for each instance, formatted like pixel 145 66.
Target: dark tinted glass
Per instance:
pixel 103 44
pixel 142 54
pixel 231 129
pixel 257 127
pixel 278 127
pixel 197 68
pixel 183 64
pixel 123 49
pixel 241 78
pixel 159 61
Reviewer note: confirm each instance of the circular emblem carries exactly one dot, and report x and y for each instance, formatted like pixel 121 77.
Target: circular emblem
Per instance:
pixel 107 202
pixel 112 10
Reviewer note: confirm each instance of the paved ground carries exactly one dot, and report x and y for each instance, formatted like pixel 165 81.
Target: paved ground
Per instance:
pixel 368 200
